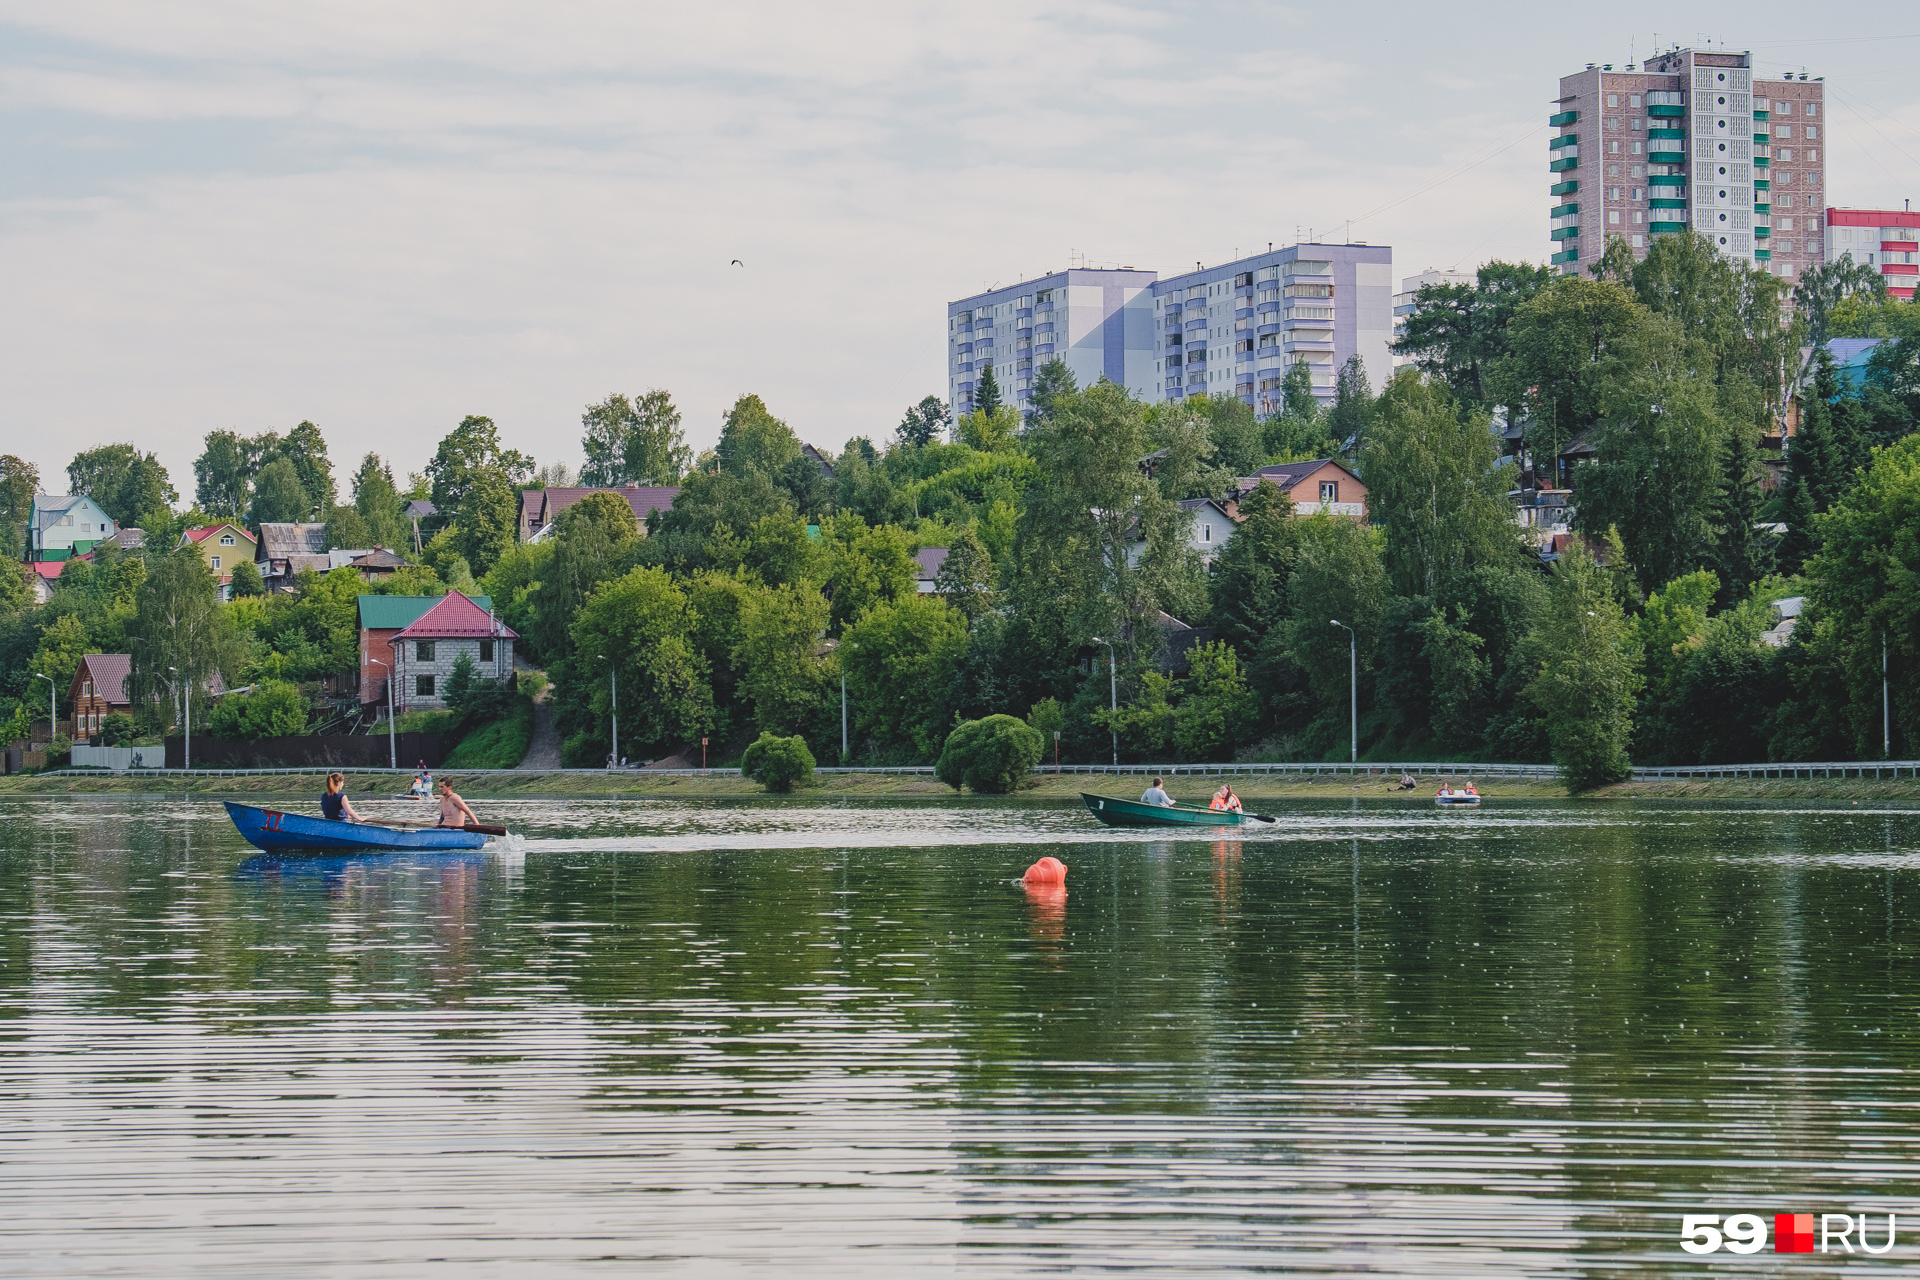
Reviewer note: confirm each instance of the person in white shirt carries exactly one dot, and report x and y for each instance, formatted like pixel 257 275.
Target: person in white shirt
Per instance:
pixel 1155 794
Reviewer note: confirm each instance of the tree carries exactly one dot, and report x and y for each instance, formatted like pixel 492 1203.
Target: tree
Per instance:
pixel 486 522
pixel 306 450
pixel 1251 574
pixel 125 482
pixel 925 422
pixel 900 659
pixel 778 764
pixel 643 624
pixel 1821 460
pixel 637 440
pixel 1216 716
pixel 19 482
pixel 607 425
pixel 347 529
pixel 246 580
pixel 1432 485
pixel 989 432
pixel 272 709
pixel 1566 347
pixel 1823 286
pixel 1352 406
pixel 965 577
pixel 1053 385
pixel 1337 573
pixel 753 441
pixel 278 496
pixel 992 756
pixel 1586 674
pixel 780 669
pixel 223 474
pixel 986 391
pixel 61 647
pixel 179 636
pixel 465 453
pixel 1458 333
pixel 15 591
pixel 866 567
pixel 1743 553
pixel 378 503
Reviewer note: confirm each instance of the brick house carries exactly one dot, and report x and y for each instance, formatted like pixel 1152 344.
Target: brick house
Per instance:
pixel 1319 485
pixel 381 619
pixel 98 690
pixel 425 651
pixel 540 507
pixel 222 546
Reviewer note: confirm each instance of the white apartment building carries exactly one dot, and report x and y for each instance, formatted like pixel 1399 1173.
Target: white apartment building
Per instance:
pixel 1403 300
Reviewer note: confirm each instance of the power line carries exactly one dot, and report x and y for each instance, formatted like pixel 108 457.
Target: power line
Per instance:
pixel 1530 131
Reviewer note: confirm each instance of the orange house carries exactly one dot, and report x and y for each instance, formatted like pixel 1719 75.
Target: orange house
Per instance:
pixel 1322 484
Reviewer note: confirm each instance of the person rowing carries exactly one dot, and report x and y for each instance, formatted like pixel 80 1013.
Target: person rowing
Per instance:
pixel 1157 794
pixel 334 805
pixel 1225 800
pixel 453 810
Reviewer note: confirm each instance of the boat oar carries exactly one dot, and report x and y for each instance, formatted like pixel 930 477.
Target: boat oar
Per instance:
pixel 434 826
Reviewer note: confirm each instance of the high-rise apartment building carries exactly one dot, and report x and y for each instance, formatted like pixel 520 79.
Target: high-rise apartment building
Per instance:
pixel 1888 239
pixel 1410 288
pixel 1099 322
pixel 1234 329
pixel 1693 139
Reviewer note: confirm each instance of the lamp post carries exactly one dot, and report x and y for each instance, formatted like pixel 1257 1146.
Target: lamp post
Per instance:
pixel 1886 704
pixel 613 684
pixel 843 705
pixel 1353 675
pixel 51 728
pixel 393 750
pixel 186 724
pixel 1113 693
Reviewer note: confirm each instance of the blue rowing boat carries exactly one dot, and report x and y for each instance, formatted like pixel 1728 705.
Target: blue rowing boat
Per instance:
pixel 274 831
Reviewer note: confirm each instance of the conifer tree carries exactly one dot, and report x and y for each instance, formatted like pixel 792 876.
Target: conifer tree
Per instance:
pixel 986 392
pixel 1742 554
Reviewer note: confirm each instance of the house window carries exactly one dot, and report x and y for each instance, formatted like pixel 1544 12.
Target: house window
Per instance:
pixel 216 562
pixel 423 650
pixel 1329 491
pixel 1206 533
pixel 226 539
pixel 423 686
pixel 486 651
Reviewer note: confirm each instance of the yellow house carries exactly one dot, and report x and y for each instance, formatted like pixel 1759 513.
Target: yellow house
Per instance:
pixel 222 546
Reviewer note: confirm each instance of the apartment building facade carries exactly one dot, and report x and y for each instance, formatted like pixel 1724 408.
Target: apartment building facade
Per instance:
pixel 1693 139
pixel 1886 239
pixel 1410 288
pixel 1099 322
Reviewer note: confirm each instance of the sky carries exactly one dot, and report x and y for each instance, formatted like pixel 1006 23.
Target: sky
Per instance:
pixel 382 217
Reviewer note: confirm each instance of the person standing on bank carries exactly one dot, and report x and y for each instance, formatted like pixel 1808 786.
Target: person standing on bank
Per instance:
pixel 1156 794
pixel 334 803
pixel 453 810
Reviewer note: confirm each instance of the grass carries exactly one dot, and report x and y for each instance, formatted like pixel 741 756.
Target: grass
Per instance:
pixel 500 744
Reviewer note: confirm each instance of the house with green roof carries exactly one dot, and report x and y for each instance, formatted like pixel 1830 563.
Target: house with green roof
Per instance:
pixel 65 525
pixel 381 619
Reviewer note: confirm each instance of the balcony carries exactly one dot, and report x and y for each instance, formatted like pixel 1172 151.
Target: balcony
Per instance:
pixel 1762 162
pixel 1665 109
pixel 1566 255
pixel 1563 211
pixel 1564 141
pixel 1564 233
pixel 1762 184
pixel 1566 188
pixel 1761 233
pixel 1762 208
pixel 1659 203
pixel 1666 228
pixel 1667 157
pixel 1563 119
pixel 1667 180
pixel 1762 139
pixel 1760 115
pixel 1675 135
pixel 1565 163
pixel 1763 254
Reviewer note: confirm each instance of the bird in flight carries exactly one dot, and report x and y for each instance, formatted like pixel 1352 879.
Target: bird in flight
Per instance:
pixel 738 263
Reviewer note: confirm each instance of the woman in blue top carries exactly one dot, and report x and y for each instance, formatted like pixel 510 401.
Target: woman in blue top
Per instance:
pixel 334 803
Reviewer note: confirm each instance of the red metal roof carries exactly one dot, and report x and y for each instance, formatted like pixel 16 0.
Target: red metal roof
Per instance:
pixel 204 532
pixel 48 568
pixel 456 617
pixel 109 672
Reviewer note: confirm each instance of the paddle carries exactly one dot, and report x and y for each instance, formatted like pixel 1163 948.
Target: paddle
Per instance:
pixel 471 826
pixel 1263 817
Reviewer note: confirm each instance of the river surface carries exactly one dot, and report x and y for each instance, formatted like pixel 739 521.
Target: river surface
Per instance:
pixel 811 1038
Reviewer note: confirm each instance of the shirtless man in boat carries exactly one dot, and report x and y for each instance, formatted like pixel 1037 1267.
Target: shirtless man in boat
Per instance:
pixel 334 804
pixel 452 807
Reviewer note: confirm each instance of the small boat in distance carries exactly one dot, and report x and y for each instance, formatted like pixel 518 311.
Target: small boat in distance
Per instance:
pixel 1447 798
pixel 1134 813
pixel 273 831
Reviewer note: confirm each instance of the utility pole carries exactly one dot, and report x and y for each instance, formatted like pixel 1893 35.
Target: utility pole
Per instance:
pixel 1113 692
pixel 1353 676
pixel 393 749
pixel 1886 704
pixel 613 682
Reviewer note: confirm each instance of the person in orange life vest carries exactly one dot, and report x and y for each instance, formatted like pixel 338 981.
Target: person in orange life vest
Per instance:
pixel 1224 799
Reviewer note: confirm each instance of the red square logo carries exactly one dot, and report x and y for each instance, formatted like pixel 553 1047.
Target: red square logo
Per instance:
pixel 1793 1233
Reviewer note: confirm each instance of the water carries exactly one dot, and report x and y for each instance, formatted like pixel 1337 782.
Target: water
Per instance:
pixel 840 1039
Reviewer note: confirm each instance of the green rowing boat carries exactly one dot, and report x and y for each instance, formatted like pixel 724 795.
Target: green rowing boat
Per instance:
pixel 1132 813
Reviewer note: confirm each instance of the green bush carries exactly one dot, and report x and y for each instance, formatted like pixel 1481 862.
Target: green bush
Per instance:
pixel 779 764
pixel 993 755
pixel 273 709
pixel 117 730
pixel 498 744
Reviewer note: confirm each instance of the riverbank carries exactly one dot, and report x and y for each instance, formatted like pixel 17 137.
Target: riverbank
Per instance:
pixel 1065 788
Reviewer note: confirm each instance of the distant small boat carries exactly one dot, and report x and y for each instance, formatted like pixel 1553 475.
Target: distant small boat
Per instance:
pixel 1133 813
pixel 1457 800
pixel 274 831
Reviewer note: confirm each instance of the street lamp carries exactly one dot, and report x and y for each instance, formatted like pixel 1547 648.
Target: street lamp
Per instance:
pixel 843 704
pixel 1113 693
pixel 186 729
pixel 51 728
pixel 1353 674
pixel 613 681
pixel 393 751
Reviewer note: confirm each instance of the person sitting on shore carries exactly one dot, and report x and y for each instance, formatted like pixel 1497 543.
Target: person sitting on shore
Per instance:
pixel 453 810
pixel 1156 794
pixel 334 803
pixel 1406 781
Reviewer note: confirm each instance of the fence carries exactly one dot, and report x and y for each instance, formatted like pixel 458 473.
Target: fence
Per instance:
pixel 119 757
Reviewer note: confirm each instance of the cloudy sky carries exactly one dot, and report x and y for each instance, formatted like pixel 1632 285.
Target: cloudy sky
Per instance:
pixel 384 216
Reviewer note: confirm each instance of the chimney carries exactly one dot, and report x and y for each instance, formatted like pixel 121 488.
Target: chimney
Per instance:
pixel 633 484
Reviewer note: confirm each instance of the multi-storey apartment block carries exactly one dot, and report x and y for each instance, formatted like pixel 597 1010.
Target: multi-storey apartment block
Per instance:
pixel 1888 239
pixel 1099 322
pixel 1410 288
pixel 1691 140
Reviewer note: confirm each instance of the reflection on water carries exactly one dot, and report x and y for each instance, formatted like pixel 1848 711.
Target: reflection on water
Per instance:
pixel 843 1038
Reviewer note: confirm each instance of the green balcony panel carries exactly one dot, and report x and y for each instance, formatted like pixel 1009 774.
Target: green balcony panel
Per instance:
pixel 1663 109
pixel 1566 188
pixel 1763 208
pixel 1762 139
pixel 1659 203
pixel 1564 164
pixel 1666 228
pixel 1562 211
pixel 1564 140
pixel 1760 115
pixel 1762 162
pixel 1761 184
pixel 1763 232
pixel 1564 233
pixel 1563 119
pixel 1667 180
pixel 1569 255
pixel 1678 135
pixel 1763 254
pixel 1667 157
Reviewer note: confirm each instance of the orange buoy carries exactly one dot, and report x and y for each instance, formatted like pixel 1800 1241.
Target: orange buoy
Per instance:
pixel 1046 871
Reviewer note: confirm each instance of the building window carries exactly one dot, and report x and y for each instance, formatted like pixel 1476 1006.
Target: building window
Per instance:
pixel 1784 131
pixel 1785 154
pixel 1633 100
pixel 1813 131
pixel 1638 147
pixel 1613 122
pixel 1613 99
pixel 1813 108
pixel 1813 155
pixel 1613 171
pixel 1613 147
pixel 423 650
pixel 1639 171
pixel 1329 491
pixel 1639 242
pixel 486 651
pixel 1206 533
pixel 226 539
pixel 1786 224
pixel 1637 193
pixel 1613 217
pixel 1634 123
pixel 423 686
pixel 216 562
pixel 1639 216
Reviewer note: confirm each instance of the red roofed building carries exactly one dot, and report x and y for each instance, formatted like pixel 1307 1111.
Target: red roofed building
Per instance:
pixel 222 546
pixel 425 651
pixel 540 507
pixel 41 576
pixel 98 690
